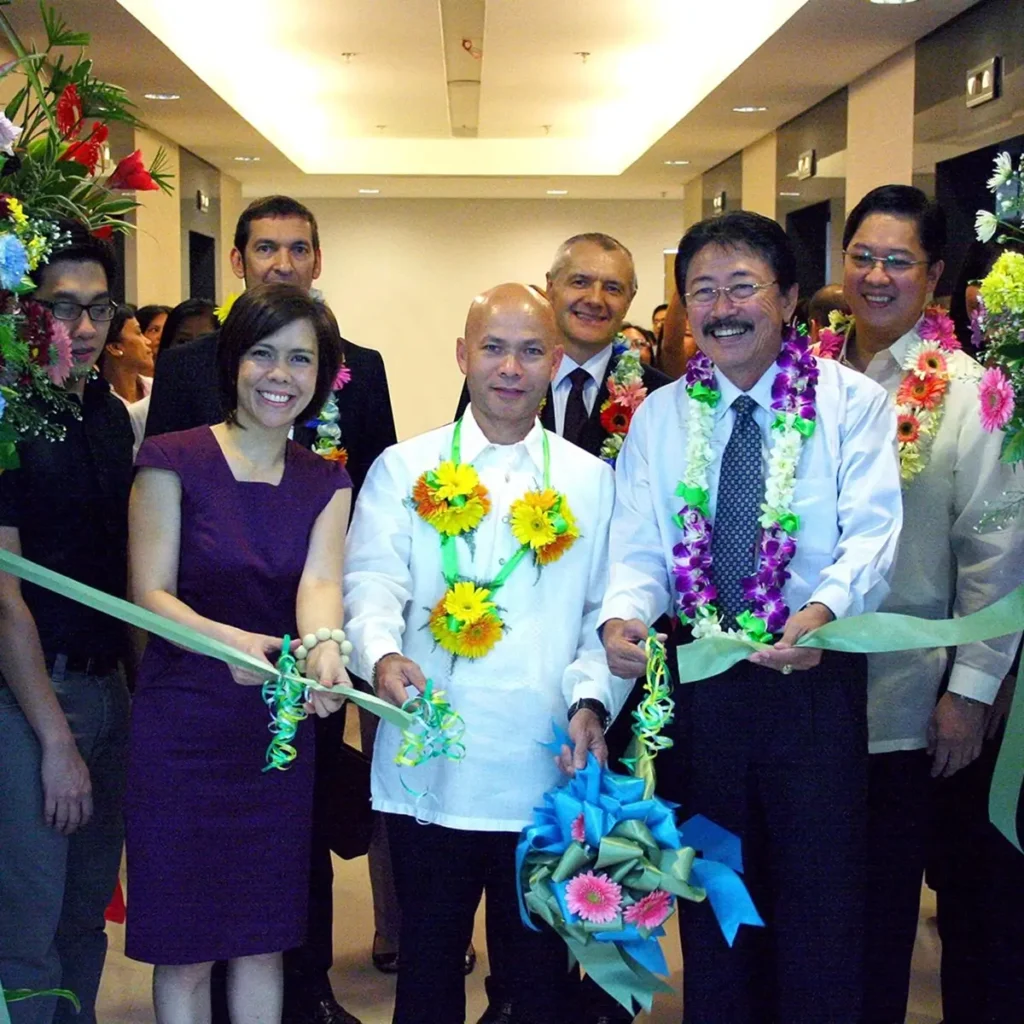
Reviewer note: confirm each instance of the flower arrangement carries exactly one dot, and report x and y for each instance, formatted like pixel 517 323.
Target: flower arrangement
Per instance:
pixel 626 393
pixel 793 392
pixel 465 621
pixel 604 863
pixel 927 372
pixel 51 167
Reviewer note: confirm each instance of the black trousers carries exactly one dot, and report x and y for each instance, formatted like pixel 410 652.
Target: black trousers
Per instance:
pixel 782 762
pixel 899 830
pixel 979 882
pixel 440 874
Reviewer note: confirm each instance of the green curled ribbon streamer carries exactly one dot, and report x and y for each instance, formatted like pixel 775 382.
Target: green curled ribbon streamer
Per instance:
pixel 651 716
pixel 881 632
pixel 17 995
pixel 436 729
pixel 284 696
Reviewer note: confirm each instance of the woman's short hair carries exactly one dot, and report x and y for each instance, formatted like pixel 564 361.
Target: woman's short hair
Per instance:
pixel 147 314
pixel 264 310
pixel 177 316
pixel 122 315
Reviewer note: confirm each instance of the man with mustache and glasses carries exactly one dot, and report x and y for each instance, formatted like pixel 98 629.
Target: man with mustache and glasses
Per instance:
pixel 775 749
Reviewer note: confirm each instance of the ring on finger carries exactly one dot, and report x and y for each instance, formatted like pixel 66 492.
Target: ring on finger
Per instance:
pixel 786 670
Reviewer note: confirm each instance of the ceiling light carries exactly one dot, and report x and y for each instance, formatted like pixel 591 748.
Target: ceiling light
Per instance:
pixel 558 191
pixel 162 96
pixel 369 191
pixel 893 1
pixel 748 110
pixel 790 195
pixel 676 163
pixel 248 159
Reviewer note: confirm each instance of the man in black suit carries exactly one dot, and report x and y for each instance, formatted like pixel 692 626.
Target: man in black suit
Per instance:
pixel 277 241
pixel 591 284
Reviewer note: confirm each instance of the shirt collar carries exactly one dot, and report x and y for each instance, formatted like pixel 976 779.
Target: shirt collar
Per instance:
pixel 475 443
pixel 761 392
pixel 596 366
pixel 897 351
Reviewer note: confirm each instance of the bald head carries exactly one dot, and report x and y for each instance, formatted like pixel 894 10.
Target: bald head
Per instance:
pixel 509 354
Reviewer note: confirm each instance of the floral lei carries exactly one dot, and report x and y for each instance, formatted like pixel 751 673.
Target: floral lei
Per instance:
pixel 922 391
pixel 328 434
pixel 465 621
pixel 793 402
pixel 626 392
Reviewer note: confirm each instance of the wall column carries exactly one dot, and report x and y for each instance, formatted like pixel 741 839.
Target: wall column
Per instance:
pixel 759 191
pixel 231 205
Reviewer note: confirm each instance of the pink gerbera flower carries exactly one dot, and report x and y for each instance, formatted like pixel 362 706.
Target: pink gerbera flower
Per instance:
pixel 830 343
pixel 995 393
pixel 343 377
pixel 61 360
pixel 650 912
pixel 630 396
pixel 579 831
pixel 594 897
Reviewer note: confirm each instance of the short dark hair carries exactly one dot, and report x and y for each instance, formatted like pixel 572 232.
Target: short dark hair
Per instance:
pixel 177 316
pixel 122 315
pixel 907 202
pixel 598 238
pixel 273 206
pixel 826 299
pixel 739 230
pixel 263 310
pixel 658 308
pixel 147 314
pixel 79 246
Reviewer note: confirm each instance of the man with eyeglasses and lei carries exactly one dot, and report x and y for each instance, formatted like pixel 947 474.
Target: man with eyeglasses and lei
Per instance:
pixel 951 563
pixel 760 493
pixel 63 698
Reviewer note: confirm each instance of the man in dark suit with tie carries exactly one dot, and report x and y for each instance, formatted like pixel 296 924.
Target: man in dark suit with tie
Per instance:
pixel 276 240
pixel 591 284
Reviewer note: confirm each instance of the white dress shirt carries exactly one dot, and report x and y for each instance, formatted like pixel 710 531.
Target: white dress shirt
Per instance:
pixel 549 657
pixel 847 496
pixel 946 565
pixel 596 366
pixel 138 411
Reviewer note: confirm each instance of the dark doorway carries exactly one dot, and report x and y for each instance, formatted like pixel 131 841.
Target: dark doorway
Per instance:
pixel 960 189
pixel 809 231
pixel 202 276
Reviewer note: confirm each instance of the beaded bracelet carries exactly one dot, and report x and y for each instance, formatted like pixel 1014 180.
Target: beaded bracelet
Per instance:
pixel 322 635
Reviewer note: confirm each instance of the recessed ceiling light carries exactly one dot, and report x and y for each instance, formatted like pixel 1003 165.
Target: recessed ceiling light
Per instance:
pixel 677 163
pixel 162 96
pixel 558 191
pixel 893 1
pixel 790 195
pixel 369 191
pixel 748 110
pixel 248 159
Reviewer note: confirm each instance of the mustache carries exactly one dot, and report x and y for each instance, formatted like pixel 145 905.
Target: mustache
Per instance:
pixel 725 322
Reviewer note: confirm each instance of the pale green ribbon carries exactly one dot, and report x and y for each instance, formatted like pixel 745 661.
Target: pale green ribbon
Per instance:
pixel 882 632
pixel 183 636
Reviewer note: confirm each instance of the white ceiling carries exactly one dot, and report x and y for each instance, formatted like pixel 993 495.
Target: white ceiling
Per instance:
pixel 269 80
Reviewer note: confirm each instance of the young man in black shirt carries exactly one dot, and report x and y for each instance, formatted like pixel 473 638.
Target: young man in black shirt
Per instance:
pixel 63 699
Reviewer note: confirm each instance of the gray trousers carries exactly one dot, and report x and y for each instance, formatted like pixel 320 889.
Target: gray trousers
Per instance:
pixel 55 889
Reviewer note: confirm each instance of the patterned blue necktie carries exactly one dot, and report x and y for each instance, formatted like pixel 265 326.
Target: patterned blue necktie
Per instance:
pixel 737 509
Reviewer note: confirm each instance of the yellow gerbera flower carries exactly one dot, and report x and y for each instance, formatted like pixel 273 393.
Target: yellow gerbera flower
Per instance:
pixel 467 602
pixel 477 638
pixel 530 525
pixel 455 519
pixel 455 481
pixel 221 312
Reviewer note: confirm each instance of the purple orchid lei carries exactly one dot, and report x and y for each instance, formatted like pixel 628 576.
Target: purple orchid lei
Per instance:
pixel 793 395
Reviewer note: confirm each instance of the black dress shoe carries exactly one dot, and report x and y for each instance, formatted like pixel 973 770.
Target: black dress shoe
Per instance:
pixel 386 963
pixel 470 962
pixel 326 1010
pixel 498 1013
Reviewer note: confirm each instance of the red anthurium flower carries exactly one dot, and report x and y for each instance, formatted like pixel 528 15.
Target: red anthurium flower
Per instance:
pixel 87 152
pixel 130 174
pixel 69 112
pixel 106 232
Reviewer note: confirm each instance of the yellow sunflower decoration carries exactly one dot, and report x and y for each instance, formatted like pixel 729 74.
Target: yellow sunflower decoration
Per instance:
pixel 543 522
pixel 451 499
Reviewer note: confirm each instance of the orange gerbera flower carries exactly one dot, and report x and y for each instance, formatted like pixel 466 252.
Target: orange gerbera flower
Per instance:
pixel 908 428
pixel 931 360
pixel 477 639
pixel 926 392
pixel 553 552
pixel 427 505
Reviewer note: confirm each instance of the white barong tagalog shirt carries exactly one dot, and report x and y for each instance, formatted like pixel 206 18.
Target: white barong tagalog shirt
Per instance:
pixel 549 657
pixel 847 496
pixel 948 565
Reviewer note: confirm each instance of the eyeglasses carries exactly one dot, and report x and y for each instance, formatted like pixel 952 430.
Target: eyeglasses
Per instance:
pixel 738 293
pixel 65 309
pixel 866 260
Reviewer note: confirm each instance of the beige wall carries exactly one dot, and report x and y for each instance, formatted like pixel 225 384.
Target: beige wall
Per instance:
pixel 400 275
pixel 880 128
pixel 153 251
pixel 759 191
pixel 231 205
pixel 693 202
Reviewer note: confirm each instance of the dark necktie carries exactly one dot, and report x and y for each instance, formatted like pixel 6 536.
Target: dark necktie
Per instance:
pixel 575 408
pixel 737 509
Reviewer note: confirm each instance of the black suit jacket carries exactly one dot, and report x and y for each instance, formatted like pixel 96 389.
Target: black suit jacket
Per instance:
pixel 594 434
pixel 185 395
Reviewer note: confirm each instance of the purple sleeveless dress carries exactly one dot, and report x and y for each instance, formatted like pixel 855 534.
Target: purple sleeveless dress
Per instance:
pixel 218 849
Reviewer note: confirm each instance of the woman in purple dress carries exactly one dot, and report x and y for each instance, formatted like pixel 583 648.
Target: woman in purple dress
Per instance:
pixel 237 532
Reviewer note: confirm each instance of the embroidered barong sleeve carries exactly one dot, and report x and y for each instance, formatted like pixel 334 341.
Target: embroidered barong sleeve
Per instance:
pixel 638 585
pixel 378 580
pixel 989 562
pixel 588 675
pixel 869 507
